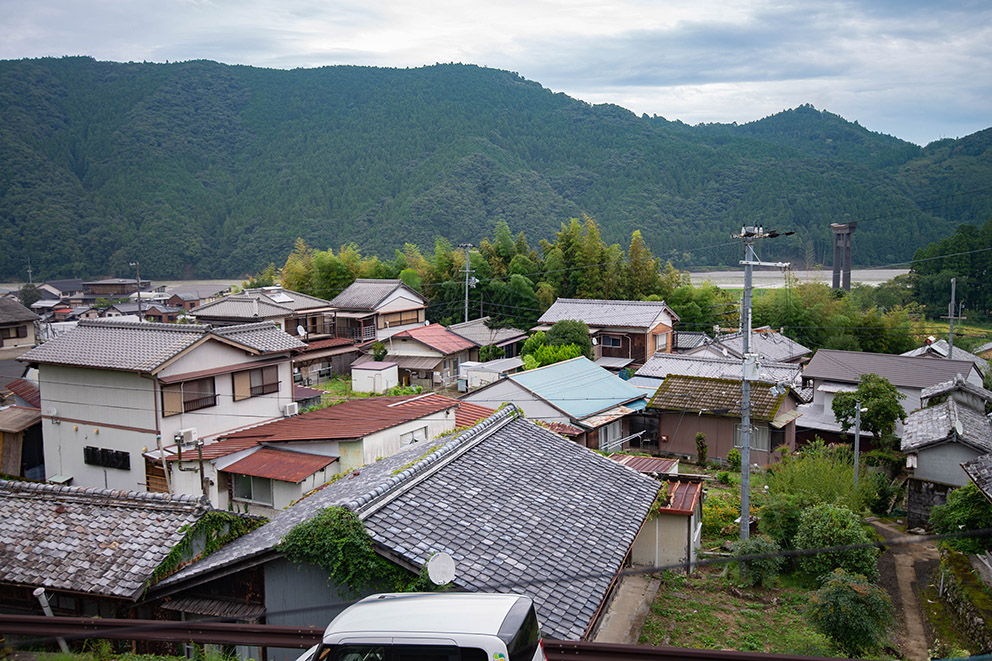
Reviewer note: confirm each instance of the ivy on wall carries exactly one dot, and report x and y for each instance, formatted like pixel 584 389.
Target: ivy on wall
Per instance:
pixel 213 530
pixel 336 541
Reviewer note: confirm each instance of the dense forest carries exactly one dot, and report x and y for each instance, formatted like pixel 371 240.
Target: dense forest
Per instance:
pixel 199 169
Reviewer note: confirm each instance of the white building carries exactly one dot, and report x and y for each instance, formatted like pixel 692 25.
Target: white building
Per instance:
pixel 113 393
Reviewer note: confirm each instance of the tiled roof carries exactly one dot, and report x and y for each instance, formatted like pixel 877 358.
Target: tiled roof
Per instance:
pixel 143 347
pixel 941 348
pixel 661 365
pixel 901 371
pixel 197 291
pixel 768 344
pixel 646 464
pixel 283 465
pixel 351 419
pixel 242 306
pixel 984 347
pixel 26 390
pixel 15 419
pixel 715 396
pixel 950 421
pixel 476 331
pixel 979 470
pixel 12 312
pixel 89 540
pixel 404 362
pixel 686 340
pixel 514 504
pixel 957 383
pixel 69 284
pixel 368 293
pixel 577 386
pixel 437 337
pixel 598 313
pixel 293 300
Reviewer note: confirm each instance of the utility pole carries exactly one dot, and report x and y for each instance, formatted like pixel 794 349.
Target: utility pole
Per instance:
pixel 30 279
pixel 857 438
pixel 750 365
pixel 466 247
pixel 950 315
pixel 137 281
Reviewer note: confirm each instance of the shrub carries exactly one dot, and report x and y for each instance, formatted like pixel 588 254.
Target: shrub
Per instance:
pixel 822 475
pixel 966 509
pixel 723 477
pixel 734 460
pixel 379 351
pixel 850 611
pixel 885 490
pixel 834 525
pixel 761 571
pixel 780 517
pixel 570 331
pixel 701 449
pixel 719 512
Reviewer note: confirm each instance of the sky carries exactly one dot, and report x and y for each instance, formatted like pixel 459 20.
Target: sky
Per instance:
pixel 920 71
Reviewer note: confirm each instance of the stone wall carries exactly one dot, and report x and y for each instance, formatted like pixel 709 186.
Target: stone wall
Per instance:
pixel 924 496
pixel 968 597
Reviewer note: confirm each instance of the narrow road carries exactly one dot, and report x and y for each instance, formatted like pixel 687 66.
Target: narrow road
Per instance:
pixel 903 572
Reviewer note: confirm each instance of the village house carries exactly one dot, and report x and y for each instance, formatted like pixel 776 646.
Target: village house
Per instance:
pixel 508 339
pixel 984 351
pixel 952 429
pixel 769 345
pixel 426 356
pixel 623 333
pixel 593 405
pixel 369 310
pixel 17 325
pixel 62 289
pixel 940 349
pixel 688 405
pixel 114 393
pixel 661 365
pixel 96 551
pixel 832 371
pixel 265 468
pixel 188 296
pixel 300 315
pixel 511 502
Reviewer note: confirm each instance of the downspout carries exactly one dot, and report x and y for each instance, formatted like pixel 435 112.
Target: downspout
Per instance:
pixel 156 393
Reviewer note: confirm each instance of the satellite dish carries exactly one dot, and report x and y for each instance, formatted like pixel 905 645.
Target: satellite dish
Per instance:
pixel 958 429
pixel 300 330
pixel 441 568
pixel 52 411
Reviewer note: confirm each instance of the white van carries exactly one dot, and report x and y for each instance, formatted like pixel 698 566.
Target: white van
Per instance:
pixel 452 626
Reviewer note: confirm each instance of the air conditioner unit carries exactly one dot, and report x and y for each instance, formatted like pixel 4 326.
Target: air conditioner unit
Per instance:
pixel 290 409
pixel 186 438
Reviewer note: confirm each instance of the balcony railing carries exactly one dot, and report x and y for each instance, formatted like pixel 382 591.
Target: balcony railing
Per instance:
pixel 199 403
pixel 264 389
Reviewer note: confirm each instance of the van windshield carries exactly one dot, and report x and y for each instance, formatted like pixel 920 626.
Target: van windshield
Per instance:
pixel 398 653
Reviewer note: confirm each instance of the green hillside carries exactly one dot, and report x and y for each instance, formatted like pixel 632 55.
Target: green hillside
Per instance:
pixel 200 169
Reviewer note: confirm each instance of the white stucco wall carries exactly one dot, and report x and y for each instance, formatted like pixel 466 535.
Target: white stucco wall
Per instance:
pixel 942 463
pixel 387 442
pixel 378 381
pixel 506 390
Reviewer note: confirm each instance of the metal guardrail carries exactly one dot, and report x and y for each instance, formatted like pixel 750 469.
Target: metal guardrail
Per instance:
pixel 265 635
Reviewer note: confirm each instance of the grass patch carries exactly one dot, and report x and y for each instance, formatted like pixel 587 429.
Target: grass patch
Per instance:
pixel 705 611
pixel 949 640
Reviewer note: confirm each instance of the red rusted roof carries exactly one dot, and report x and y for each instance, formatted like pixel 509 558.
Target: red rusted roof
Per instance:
pixel 303 392
pixel 214 450
pixel 26 391
pixel 439 338
pixel 328 344
pixel 280 465
pixel 646 464
pixel 683 496
pixel 563 429
pixel 468 414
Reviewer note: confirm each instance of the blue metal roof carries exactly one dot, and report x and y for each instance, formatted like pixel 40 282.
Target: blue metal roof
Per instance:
pixel 580 388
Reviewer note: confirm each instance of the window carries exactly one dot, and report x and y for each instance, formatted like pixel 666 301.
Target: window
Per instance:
pixel 610 341
pixel 188 396
pixel 17 331
pixel 759 437
pixel 414 436
pixel 399 318
pixel 259 381
pixel 609 435
pixel 661 342
pixel 251 489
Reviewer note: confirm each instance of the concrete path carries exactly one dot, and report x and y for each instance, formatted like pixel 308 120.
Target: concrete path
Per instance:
pixel 912 562
pixel 625 617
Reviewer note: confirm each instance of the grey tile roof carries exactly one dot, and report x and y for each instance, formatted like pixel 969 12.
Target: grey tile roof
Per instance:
pixel 661 365
pixel 294 300
pixel 937 424
pixel 143 347
pixel 519 508
pixel 12 312
pixel 89 540
pixel 596 312
pixel 984 347
pixel 768 344
pixel 476 331
pixel 242 306
pixel 196 291
pixel 956 384
pixel 901 371
pixel 368 293
pixel 686 340
pixel 941 348
pixel 979 470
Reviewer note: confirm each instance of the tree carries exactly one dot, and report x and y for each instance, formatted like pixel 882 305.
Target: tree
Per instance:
pixel 297 272
pixel 828 525
pixel 379 351
pixel 570 331
pixel 851 611
pixel 266 278
pixel 642 269
pixel 966 509
pixel 28 294
pixel 881 399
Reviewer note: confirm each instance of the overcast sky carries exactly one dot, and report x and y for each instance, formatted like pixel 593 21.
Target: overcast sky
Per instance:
pixel 916 70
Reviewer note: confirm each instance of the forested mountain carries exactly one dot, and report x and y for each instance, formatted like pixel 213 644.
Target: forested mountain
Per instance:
pixel 200 169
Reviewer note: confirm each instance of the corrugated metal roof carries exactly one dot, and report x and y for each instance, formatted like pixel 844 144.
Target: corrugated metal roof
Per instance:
pixel 578 386
pixel 15 419
pixel 469 414
pixel 614 363
pixel 406 362
pixel 901 371
pixel 646 464
pixel 26 390
pixel 715 396
pixel 215 607
pixel 683 496
pixel 282 465
pixel 437 337
pixel 597 312
pixel 606 417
